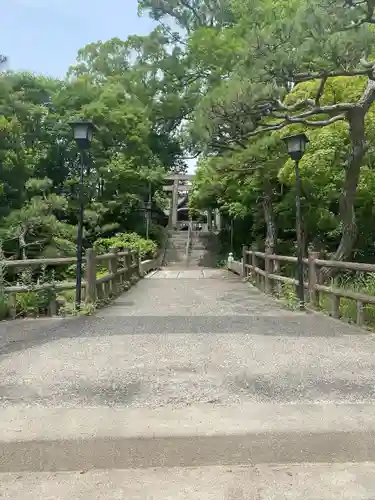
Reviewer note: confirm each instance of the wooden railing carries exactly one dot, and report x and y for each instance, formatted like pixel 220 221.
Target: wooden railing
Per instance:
pixel 122 269
pixel 264 270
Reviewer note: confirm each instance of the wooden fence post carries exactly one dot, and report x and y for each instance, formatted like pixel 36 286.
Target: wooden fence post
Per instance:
pixel 276 269
pixel 12 304
pixel 254 263
pixel 360 313
pixel 90 275
pixel 113 265
pixel 313 279
pixel 244 270
pixel 335 305
pixel 133 260
pixel 128 263
pixel 121 263
pixel 52 306
pixel 138 269
pixel 268 270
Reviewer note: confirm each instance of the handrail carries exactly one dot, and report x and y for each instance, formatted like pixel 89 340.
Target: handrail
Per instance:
pixel 269 278
pixel 123 269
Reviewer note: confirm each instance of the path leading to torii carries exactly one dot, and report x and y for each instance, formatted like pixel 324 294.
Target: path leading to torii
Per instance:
pixel 211 374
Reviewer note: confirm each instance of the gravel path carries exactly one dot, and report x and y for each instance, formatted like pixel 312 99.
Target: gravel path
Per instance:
pixel 182 338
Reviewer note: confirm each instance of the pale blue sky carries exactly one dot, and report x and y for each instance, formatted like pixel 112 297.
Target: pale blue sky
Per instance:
pixel 44 36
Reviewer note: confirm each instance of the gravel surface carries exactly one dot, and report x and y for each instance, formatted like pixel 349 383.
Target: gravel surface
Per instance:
pixel 181 338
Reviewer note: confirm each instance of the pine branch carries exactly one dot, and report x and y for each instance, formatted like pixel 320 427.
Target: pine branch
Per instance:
pixel 306 77
pixel 292 120
pixel 295 107
pixel 331 110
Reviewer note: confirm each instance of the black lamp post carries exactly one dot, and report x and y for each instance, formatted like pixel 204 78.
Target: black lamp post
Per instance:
pixel 83 132
pixel 148 212
pixel 296 146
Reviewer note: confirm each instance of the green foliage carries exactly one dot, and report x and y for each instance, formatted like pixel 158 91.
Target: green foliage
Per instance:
pixel 132 241
pixel 190 15
pixel 70 309
pixel 361 283
pixel 279 68
pixel 131 90
pixel 135 92
pixel 30 304
pixel 289 296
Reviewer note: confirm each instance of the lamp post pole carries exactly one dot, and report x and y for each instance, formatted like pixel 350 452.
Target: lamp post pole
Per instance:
pixel 83 132
pixel 231 234
pixel 301 290
pixel 296 145
pixel 80 231
pixel 148 212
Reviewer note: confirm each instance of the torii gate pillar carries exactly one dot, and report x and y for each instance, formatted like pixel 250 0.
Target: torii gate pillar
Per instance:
pixel 174 206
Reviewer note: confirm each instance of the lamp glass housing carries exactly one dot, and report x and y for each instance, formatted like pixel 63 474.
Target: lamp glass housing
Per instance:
pixel 296 145
pixel 83 132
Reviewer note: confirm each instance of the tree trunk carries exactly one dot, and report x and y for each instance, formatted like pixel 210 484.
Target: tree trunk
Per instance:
pixel 271 233
pixel 22 245
pixel 356 118
pixel 352 173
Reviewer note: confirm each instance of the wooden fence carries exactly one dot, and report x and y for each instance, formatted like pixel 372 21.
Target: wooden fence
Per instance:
pixel 264 269
pixel 122 269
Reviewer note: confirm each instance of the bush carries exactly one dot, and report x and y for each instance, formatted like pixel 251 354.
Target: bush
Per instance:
pixel 146 248
pixel 30 303
pixel 157 233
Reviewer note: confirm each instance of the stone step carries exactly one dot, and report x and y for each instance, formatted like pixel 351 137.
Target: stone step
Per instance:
pixel 38 439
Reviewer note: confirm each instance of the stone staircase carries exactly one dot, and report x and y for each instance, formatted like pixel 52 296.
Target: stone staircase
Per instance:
pixel 203 249
pixel 202 252
pixel 175 255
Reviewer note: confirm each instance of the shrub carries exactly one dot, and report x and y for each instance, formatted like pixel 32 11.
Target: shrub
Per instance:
pixel 35 302
pixel 146 248
pixel 361 283
pixel 4 307
pixel 157 233
pixel 30 303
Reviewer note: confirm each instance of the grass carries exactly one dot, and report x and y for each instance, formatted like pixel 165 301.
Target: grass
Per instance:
pixel 288 294
pixel 362 283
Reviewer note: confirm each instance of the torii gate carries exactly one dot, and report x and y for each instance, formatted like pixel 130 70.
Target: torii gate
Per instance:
pixel 175 188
